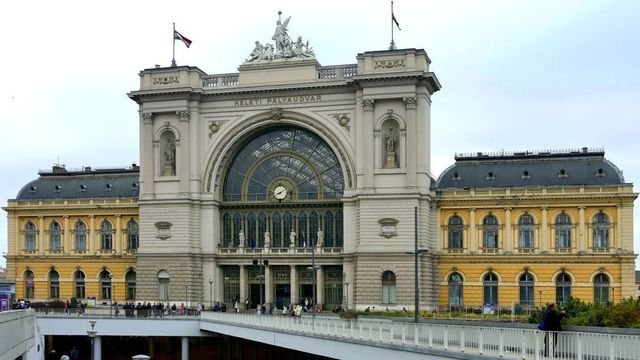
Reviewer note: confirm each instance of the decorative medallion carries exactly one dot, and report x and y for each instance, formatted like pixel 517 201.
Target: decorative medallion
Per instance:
pixel 214 126
pixel 276 114
pixel 343 120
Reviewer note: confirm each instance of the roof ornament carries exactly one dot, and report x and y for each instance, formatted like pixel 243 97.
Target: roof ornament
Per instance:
pixel 284 48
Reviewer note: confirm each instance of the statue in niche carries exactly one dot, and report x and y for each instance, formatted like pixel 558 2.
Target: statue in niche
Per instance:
pixel 241 238
pixel 292 238
pixel 169 158
pixel 390 145
pixel 320 238
pixel 267 239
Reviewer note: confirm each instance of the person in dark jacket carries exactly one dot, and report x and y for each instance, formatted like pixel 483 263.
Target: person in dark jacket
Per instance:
pixel 552 322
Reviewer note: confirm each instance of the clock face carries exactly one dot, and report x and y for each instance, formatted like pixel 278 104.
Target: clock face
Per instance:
pixel 280 192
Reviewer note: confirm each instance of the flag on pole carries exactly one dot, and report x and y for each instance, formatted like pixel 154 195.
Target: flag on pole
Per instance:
pixel 178 36
pixel 393 17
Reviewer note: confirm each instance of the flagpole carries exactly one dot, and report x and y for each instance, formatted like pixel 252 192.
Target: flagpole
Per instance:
pixel 392 45
pixel 173 36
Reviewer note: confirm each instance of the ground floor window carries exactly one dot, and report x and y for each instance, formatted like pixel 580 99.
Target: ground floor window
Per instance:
pixel 455 289
pixel 388 287
pixel 163 285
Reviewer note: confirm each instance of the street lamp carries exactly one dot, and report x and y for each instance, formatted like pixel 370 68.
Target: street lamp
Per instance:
pixel 262 264
pixel 210 294
pixel 313 268
pixel 92 334
pixel 540 297
pixel 225 290
pixel 347 298
pixel 416 253
pixel 110 276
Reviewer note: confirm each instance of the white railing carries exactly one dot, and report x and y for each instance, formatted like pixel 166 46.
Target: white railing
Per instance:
pixel 476 340
pixel 337 72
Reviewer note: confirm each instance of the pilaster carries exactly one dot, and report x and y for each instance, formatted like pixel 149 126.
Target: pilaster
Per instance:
pixel 544 229
pixel 319 286
pixel 294 284
pixel 413 141
pixel 243 283
pixel 268 291
pixel 508 233
pixel 473 233
pixel 581 238
pixel 367 133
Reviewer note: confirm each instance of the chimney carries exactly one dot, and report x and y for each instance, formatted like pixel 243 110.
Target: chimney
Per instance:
pixel 58 169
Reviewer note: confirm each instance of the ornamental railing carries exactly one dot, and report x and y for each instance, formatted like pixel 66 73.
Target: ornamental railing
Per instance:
pixel 219 80
pixel 337 72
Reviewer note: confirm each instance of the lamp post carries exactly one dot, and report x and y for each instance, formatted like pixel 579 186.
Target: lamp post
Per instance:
pixel 110 294
pixel 92 334
pixel 540 297
pixel 416 252
pixel 347 298
pixel 225 290
pixel 210 294
pixel 313 268
pixel 261 263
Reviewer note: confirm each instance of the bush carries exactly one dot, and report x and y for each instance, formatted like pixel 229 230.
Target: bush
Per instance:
pixel 626 314
pixel 349 314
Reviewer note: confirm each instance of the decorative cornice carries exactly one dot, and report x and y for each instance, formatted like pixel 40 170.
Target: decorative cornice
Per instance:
pixel 367 104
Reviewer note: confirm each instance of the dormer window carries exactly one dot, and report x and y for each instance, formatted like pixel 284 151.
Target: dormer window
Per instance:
pixel 491 176
pixel 83 188
pixel 57 188
pixel 33 189
pixel 600 173
pixel 108 187
pixel 562 173
pixel 526 175
pixel 134 186
pixel 456 177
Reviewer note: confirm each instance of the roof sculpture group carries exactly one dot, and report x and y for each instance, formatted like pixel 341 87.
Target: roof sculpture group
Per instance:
pixel 284 48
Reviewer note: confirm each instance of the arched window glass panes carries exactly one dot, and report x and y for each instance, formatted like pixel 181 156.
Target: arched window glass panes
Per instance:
pixel 563 288
pixel 313 228
pixel 490 286
pixel 276 230
pixel 601 289
pixel 131 284
pixel 455 289
pixel 227 239
pixel 284 152
pixel 329 230
pixel 251 230
pixel 30 237
pixel 526 289
pixel 303 235
pixel 105 285
pixel 81 237
pixel 388 287
pixel 339 229
pixel 54 285
pixel 237 227
pixel 287 222
pixel 455 232
pixel 163 285
pixel 490 232
pixel 54 235
pixel 29 285
pixel 525 232
pixel 78 279
pixel 262 228
pixel 132 235
pixel 601 230
pixel 563 231
pixel 106 235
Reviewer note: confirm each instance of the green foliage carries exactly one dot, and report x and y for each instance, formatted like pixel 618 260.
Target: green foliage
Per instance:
pixel 626 314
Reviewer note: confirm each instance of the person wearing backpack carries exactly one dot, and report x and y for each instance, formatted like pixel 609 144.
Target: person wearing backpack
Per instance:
pixel 551 322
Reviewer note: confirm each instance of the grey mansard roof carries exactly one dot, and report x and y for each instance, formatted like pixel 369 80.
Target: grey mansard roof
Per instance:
pixel 86 183
pixel 531 169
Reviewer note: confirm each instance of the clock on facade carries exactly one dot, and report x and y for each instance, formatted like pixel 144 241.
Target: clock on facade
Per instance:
pixel 280 192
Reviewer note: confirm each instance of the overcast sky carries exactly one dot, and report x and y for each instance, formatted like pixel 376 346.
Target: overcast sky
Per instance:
pixel 515 74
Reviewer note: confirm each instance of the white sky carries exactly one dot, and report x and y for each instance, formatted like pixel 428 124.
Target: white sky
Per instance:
pixel 516 74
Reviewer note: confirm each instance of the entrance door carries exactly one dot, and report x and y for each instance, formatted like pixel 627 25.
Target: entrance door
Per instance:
pixel 306 292
pixel 254 294
pixel 283 295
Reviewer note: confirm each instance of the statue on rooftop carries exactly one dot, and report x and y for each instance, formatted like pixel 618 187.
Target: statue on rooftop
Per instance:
pixel 281 36
pixel 284 48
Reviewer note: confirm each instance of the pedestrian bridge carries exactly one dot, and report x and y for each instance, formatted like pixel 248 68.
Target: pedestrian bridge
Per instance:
pixel 330 336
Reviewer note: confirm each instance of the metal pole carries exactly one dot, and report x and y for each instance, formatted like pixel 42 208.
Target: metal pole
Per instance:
pixel 347 308
pixel 210 294
pixel 260 276
pixel 416 284
pixel 313 303
pixel 110 295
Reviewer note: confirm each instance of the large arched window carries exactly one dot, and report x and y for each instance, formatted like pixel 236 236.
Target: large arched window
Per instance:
pixel 54 284
pixel 455 289
pixel 388 287
pixel 490 232
pixel 163 285
pixel 601 289
pixel 54 236
pixel 525 232
pixel 130 278
pixel 132 235
pixel 105 284
pixel 29 285
pixel 563 287
pixel 30 236
pixel 490 289
pixel 601 230
pixel 227 230
pixel 526 289
pixel 563 231
pixel 81 237
pixel 455 232
pixel 78 279
pixel 106 235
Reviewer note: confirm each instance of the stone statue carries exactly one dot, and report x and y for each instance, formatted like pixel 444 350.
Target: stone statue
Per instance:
pixel 390 140
pixel 241 238
pixel 267 54
pixel 169 159
pixel 301 49
pixel 292 238
pixel 267 239
pixel 256 53
pixel 280 36
pixel 320 240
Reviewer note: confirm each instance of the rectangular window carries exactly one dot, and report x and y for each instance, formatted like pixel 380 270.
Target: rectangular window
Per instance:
pixel 388 294
pixel 526 294
pixel 80 290
pixel 526 239
pixel 601 238
pixel 563 238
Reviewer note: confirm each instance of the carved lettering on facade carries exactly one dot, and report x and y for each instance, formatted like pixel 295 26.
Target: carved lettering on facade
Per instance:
pixel 389 64
pixel 166 80
pixel 279 100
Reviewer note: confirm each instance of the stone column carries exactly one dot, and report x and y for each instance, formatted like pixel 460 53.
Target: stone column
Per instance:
pixel 294 284
pixel 319 286
pixel 97 348
pixel 66 235
pixel 243 284
pixel 544 229
pixel 41 245
pixel 91 246
pixel 147 154
pixel 118 238
pixel 508 233
pixel 267 285
pixel 413 144
pixel 367 133
pixel 185 348
pixel 582 236
pixel 473 234
pixel 183 167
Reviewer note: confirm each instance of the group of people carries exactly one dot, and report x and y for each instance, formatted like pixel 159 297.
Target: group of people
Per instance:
pixel 70 355
pixel 155 310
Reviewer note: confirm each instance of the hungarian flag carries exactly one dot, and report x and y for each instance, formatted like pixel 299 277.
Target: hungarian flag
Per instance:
pixel 178 36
